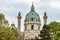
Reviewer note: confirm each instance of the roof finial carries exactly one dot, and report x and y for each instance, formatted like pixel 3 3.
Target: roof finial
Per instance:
pixel 32 3
pixel 32 8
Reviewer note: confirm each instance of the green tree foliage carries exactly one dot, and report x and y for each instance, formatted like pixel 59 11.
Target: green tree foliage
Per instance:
pixel 57 36
pixel 55 25
pixel 7 33
pixel 54 30
pixel 44 33
pixel 1 16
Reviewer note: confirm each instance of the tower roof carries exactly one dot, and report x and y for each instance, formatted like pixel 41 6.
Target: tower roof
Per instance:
pixel 12 24
pixel 44 13
pixel 19 13
pixel 32 15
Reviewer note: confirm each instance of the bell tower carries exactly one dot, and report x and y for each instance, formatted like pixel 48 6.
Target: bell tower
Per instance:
pixel 19 22
pixel 45 18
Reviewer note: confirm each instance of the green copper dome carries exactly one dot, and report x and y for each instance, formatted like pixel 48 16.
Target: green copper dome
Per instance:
pixel 32 15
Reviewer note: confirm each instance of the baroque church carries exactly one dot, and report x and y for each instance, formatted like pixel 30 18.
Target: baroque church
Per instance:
pixel 32 24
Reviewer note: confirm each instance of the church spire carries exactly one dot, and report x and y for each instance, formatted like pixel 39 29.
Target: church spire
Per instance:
pixel 32 7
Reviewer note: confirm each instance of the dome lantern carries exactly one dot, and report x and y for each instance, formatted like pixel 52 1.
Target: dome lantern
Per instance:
pixel 32 7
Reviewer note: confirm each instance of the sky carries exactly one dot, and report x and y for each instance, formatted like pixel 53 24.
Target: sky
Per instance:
pixel 11 8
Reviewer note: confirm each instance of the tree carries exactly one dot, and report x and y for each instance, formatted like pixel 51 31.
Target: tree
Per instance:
pixel 54 30
pixel 55 26
pixel 57 36
pixel 44 33
pixel 2 16
pixel 7 34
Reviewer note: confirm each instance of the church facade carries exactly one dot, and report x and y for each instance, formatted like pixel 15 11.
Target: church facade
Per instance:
pixel 32 24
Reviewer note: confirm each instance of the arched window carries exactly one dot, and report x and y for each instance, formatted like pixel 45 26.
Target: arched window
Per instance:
pixel 31 39
pixel 32 27
pixel 25 39
pixel 28 39
pixel 32 19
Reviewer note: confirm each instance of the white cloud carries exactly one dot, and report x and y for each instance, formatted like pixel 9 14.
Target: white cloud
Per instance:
pixel 55 4
pixel 58 20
